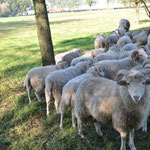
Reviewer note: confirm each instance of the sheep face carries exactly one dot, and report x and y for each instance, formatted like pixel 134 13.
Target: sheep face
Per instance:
pixel 139 55
pixel 135 82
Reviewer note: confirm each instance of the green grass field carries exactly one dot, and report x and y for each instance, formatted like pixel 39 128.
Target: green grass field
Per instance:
pixel 25 127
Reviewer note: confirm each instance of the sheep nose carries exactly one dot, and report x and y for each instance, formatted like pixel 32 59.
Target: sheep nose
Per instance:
pixel 136 98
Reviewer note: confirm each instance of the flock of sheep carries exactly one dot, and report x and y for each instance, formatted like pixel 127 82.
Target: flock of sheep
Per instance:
pixel 111 82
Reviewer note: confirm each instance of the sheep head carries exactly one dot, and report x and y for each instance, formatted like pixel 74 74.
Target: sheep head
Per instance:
pixel 135 83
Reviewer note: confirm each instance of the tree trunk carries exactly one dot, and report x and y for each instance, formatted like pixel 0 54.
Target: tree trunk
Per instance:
pixel 44 34
pixel 137 13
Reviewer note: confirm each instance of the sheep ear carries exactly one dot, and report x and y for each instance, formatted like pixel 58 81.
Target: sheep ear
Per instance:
pixel 147 81
pixel 122 82
pixel 122 73
pixel 135 55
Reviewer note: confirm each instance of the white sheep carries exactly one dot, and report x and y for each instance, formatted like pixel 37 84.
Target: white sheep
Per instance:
pixel 126 50
pixel 111 54
pixel 69 91
pixel 124 23
pixel 35 78
pixel 141 38
pixel 55 81
pixel 120 31
pixel 125 102
pixel 93 53
pixel 141 49
pixel 111 67
pixel 99 42
pixel 82 58
pixel 68 56
pixel 111 40
pixel 123 41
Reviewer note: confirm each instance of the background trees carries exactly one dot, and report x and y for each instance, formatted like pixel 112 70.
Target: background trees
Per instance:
pixel 14 7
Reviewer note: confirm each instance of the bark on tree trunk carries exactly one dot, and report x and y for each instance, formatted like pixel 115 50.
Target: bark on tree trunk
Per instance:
pixel 44 34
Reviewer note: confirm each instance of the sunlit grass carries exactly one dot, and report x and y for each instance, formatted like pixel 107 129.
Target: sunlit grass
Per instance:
pixel 24 126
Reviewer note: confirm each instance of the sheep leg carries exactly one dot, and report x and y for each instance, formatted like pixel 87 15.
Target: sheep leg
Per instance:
pixel 29 93
pixel 57 98
pixel 131 140
pixel 38 96
pixel 80 131
pixel 56 103
pixel 73 118
pixel 98 128
pixel 123 140
pixel 144 129
pixel 47 102
pixel 61 120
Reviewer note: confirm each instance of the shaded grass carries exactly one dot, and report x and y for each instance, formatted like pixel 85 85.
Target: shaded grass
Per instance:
pixel 25 127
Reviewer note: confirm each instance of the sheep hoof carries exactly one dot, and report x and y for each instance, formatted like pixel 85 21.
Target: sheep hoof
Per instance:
pixel 61 127
pixel 144 129
pixel 132 147
pixel 73 125
pixel 100 133
pixel 82 135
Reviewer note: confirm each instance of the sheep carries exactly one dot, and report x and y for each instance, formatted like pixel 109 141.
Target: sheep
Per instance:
pixel 135 33
pixel 55 81
pixel 68 56
pixel 93 53
pixel 86 57
pixel 148 40
pixel 35 78
pixel 123 41
pixel 129 34
pixel 127 103
pixel 111 54
pixel 69 90
pixel 147 46
pixel 111 40
pixel 126 50
pixel 111 67
pixel 141 38
pixel 125 24
pixel 128 47
pixel 99 42
pixel 142 50
pixel 120 31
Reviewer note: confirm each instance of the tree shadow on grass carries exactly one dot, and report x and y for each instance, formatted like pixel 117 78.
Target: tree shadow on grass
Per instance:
pixel 144 21
pixel 64 21
pixel 16 24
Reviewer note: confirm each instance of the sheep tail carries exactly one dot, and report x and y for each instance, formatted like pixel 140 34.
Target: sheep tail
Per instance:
pixel 27 81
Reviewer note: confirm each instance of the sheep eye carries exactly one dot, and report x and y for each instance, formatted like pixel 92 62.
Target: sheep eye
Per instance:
pixel 143 83
pixel 128 84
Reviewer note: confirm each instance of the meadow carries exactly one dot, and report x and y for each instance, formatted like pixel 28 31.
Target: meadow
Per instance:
pixel 26 127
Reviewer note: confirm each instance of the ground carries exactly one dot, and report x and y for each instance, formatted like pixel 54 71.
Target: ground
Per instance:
pixel 26 127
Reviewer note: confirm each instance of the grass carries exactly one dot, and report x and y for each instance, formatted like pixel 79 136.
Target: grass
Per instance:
pixel 25 127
